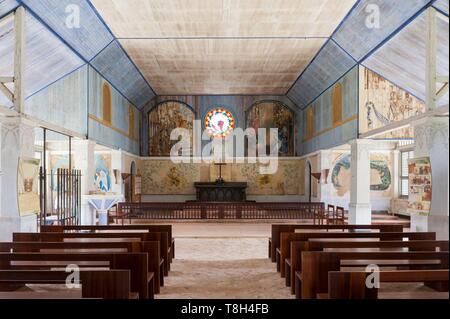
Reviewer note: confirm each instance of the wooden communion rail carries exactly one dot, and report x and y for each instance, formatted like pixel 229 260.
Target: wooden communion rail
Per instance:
pixel 221 211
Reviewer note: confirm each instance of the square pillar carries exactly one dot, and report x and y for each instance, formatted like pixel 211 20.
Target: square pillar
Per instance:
pixel 431 140
pixel 360 208
pixel 84 160
pixel 16 141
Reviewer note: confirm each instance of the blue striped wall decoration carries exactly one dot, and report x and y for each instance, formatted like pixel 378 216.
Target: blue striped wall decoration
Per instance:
pixel 47 58
pixel 442 5
pixel 115 66
pixel 6 6
pixel 359 40
pixel 399 63
pixel 328 66
pixel 70 92
pixel 326 135
pixel 88 39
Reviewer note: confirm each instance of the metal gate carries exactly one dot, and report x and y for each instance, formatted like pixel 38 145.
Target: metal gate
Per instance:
pixel 60 195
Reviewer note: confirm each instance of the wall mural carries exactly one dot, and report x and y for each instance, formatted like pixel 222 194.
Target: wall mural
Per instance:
pixel 28 186
pixel 162 177
pixel 381 178
pixel 383 103
pixel 102 178
pixel 163 119
pixel 274 114
pixel 420 186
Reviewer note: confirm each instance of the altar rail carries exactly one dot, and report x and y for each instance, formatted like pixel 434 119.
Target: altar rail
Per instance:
pixel 225 211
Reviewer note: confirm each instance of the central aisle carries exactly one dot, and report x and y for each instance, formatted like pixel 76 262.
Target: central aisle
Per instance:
pixel 216 261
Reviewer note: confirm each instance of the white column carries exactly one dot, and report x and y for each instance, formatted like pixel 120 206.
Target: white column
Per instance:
pixel 117 163
pixel 431 140
pixel 84 160
pixel 16 140
pixel 360 210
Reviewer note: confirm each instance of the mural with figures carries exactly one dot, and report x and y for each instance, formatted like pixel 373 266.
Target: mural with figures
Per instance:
pixel 102 178
pixel 162 177
pixel 383 103
pixel 273 114
pixel 162 120
pixel 381 177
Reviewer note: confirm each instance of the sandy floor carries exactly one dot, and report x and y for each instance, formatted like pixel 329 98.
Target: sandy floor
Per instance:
pixel 215 268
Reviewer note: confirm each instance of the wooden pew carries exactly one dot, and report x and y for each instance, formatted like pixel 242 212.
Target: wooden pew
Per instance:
pixel 141 281
pixel 352 285
pixel 277 229
pixel 95 284
pixel 293 264
pixel 286 239
pixel 120 236
pixel 150 228
pixel 313 279
pixel 151 248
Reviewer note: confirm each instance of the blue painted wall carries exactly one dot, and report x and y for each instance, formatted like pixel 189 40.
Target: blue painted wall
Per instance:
pixel 323 118
pixel 112 137
pixel 64 103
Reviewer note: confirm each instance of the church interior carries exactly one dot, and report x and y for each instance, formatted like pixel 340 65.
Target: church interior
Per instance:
pixel 224 149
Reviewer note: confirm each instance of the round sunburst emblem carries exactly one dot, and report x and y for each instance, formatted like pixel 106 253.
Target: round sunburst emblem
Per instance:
pixel 219 123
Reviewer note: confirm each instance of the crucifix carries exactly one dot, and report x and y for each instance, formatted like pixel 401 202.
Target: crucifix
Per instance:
pixel 220 180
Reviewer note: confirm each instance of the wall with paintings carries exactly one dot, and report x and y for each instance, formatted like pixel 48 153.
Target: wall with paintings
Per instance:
pixel 420 186
pixel 163 119
pixel 113 120
pixel 336 189
pixel 162 177
pixel 332 119
pixel 63 104
pixel 383 103
pixel 239 106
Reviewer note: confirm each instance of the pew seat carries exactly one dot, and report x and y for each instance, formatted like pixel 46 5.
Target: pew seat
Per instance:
pixel 95 284
pixel 352 285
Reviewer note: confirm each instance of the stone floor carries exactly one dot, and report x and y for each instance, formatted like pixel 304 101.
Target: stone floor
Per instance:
pixel 217 268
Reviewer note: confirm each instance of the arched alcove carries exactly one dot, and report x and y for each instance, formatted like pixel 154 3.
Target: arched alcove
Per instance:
pixel 162 120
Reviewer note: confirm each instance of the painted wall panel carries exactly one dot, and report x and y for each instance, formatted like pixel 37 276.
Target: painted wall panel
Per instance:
pixel 115 134
pixel 326 133
pixel 64 103
pixel 329 65
pixel 237 104
pixel 359 38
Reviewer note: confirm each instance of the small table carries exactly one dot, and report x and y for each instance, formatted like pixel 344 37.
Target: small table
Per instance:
pixel 221 192
pixel 102 204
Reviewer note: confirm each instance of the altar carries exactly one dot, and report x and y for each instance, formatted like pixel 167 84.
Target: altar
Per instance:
pixel 221 192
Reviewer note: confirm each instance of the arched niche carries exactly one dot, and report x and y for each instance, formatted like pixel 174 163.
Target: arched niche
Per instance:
pixel 107 104
pixel 274 114
pixel 162 120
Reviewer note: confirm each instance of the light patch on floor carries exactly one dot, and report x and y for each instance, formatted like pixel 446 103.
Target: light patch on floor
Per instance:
pixel 217 268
